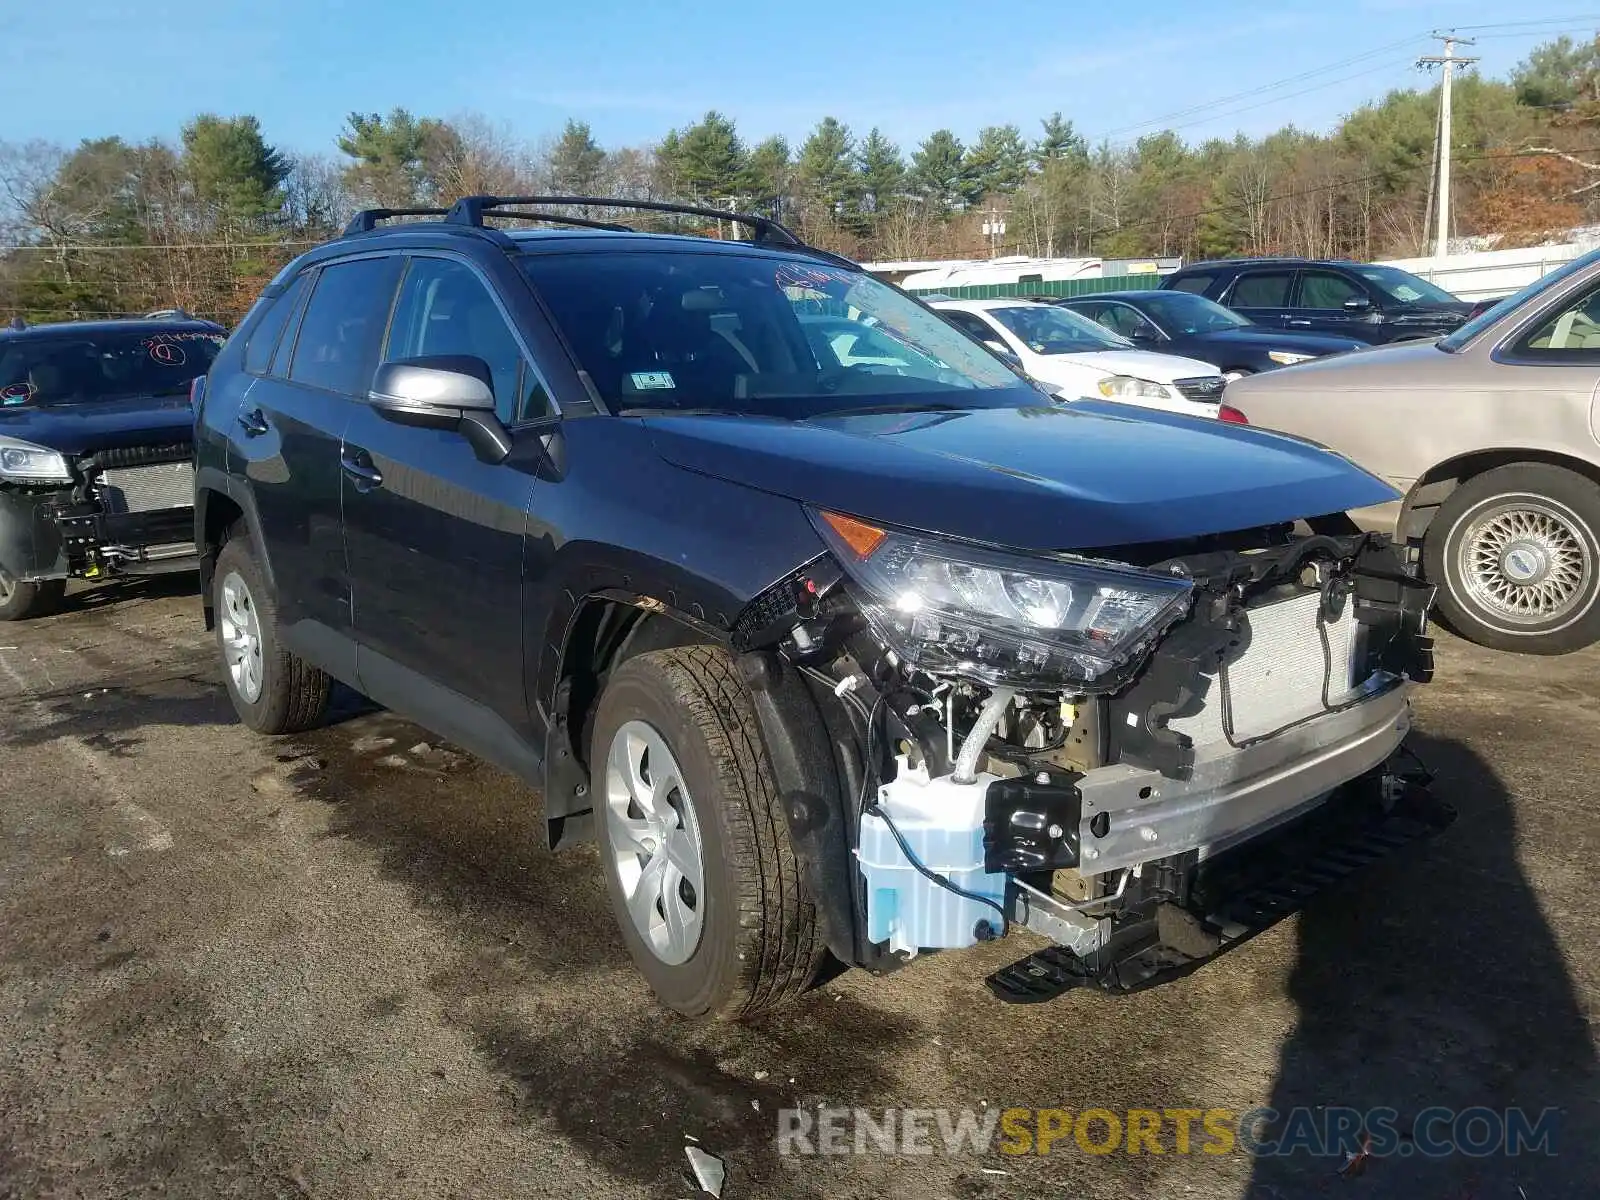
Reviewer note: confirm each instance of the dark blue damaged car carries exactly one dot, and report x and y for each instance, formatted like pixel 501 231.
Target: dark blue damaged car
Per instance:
pixel 838 636
pixel 96 448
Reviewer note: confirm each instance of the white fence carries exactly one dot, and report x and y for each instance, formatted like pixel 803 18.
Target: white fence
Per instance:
pixel 1489 274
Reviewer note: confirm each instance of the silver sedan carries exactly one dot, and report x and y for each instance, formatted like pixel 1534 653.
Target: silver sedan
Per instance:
pixel 1490 434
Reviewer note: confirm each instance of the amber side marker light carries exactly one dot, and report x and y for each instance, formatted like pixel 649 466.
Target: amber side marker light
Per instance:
pixel 858 535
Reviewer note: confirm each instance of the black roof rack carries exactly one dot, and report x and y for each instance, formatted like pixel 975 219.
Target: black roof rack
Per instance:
pixel 470 210
pixel 367 219
pixel 560 219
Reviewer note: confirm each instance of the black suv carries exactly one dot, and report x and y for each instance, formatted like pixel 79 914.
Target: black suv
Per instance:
pixel 96 443
pixel 1366 301
pixel 835 633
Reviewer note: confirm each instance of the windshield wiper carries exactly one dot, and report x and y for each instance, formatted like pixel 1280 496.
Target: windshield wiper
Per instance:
pixel 908 406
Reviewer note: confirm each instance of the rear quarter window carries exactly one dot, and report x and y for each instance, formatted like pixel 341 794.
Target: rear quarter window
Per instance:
pixel 1199 283
pixel 268 328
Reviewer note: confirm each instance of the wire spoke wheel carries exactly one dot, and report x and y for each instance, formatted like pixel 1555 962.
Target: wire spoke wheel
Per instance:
pixel 1524 562
pixel 654 839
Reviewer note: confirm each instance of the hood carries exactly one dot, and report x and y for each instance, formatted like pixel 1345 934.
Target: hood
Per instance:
pixel 1059 477
pixel 1397 364
pixel 101 424
pixel 1142 364
pixel 1439 315
pixel 1262 338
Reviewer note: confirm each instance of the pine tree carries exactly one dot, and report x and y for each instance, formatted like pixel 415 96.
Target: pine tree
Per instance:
pixel 578 162
pixel 1060 142
pixel 939 172
pixel 826 169
pixel 232 169
pixel 708 159
pixel 882 171
pixel 999 162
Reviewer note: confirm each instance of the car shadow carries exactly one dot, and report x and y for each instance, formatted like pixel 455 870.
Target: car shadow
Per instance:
pixel 122 590
pixel 1436 983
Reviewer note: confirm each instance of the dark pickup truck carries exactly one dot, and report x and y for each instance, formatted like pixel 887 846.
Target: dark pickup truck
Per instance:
pixel 96 447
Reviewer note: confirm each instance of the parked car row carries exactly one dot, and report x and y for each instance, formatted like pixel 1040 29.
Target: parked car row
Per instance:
pixel 836 634
pixel 834 627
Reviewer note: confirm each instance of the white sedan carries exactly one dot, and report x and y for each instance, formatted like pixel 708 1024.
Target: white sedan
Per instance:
pixel 1080 358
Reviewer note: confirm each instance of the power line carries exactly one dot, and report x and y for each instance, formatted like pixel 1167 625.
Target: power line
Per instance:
pixel 1267 87
pixel 78 247
pixel 1349 181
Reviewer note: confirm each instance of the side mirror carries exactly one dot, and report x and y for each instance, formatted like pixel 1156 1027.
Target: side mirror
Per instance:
pixel 443 391
pixel 1142 334
pixel 1357 304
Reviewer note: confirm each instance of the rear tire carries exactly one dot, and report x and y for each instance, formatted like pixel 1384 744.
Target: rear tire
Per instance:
pixel 272 690
pixel 1515 553
pixel 21 601
pixel 681 780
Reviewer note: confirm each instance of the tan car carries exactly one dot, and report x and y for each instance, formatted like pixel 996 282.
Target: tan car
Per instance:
pixel 1490 436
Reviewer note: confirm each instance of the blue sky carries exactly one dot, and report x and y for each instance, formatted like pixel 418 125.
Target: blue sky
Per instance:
pixel 634 68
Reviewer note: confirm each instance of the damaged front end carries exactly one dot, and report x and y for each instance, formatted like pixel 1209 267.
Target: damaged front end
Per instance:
pixel 119 510
pixel 1143 757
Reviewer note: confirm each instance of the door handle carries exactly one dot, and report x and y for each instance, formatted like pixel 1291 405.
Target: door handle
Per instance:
pixel 254 423
pixel 358 466
pixel 1298 321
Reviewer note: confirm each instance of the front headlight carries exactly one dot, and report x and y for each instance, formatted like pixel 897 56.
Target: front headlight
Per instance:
pixel 23 462
pixel 1126 387
pixel 1033 622
pixel 1287 358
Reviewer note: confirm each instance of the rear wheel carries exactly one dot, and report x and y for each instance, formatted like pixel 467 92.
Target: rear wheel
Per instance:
pixel 1516 555
pixel 272 690
pixel 702 879
pixel 19 601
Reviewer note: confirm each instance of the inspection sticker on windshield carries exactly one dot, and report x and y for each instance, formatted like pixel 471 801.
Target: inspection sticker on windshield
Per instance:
pixel 647 381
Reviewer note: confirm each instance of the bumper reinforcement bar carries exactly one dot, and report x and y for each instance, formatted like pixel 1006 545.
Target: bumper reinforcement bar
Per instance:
pixel 1241 894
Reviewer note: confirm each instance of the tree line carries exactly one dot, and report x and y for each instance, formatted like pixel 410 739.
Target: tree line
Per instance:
pixel 112 227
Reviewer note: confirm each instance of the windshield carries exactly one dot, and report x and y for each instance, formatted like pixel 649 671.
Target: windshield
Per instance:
pixel 675 330
pixel 87 368
pixel 1045 329
pixel 1404 286
pixel 1184 312
pixel 1459 337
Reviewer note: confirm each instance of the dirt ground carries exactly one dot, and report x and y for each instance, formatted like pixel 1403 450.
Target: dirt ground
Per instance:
pixel 344 966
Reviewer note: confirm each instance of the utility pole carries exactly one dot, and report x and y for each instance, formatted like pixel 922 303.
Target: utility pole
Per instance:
pixel 1448 61
pixel 993 229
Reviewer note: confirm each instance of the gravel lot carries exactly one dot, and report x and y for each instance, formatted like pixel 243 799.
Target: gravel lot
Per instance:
pixel 345 966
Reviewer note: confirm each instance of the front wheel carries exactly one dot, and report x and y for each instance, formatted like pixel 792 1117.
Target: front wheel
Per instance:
pixel 702 878
pixel 272 690
pixel 1516 556
pixel 21 601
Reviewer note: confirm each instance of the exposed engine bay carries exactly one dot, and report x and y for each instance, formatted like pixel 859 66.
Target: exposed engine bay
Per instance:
pixel 111 511
pixel 1113 753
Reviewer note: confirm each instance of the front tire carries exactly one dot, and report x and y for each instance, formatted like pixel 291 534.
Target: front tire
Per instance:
pixel 272 690
pixel 703 882
pixel 21 601
pixel 1515 553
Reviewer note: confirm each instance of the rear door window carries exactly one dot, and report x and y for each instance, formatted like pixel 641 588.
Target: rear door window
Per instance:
pixel 1569 335
pixel 337 348
pixel 1198 283
pixel 269 327
pixel 1261 289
